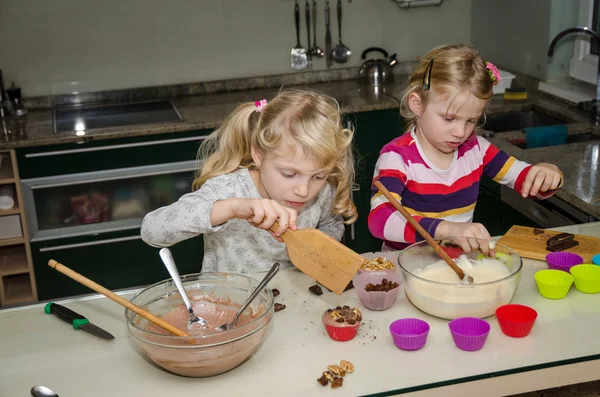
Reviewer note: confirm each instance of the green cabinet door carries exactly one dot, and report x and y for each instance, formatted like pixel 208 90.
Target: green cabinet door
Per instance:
pixel 372 131
pixel 114 260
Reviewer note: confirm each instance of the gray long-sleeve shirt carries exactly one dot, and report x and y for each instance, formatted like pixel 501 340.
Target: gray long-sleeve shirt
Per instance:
pixel 235 246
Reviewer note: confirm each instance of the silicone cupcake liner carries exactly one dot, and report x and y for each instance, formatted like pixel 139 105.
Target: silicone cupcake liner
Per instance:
pixel 563 260
pixel 553 284
pixel 596 259
pixel 341 334
pixel 409 333
pixel 376 300
pixel 469 333
pixel 516 320
pixel 587 278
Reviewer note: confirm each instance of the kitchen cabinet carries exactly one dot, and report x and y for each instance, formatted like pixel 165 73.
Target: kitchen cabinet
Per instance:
pixel 372 131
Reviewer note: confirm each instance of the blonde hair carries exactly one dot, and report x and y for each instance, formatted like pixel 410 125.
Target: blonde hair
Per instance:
pixel 309 119
pixel 455 68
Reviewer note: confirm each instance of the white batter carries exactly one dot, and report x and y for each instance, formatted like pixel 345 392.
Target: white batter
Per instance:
pixel 454 299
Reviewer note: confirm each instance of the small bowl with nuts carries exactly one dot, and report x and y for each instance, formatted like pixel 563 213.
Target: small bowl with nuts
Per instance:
pixel 376 290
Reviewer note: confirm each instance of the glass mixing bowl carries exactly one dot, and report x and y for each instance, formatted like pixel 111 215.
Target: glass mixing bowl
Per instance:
pixel 211 353
pixel 450 300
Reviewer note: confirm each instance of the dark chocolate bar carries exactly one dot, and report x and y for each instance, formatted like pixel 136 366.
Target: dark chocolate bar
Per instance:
pixel 559 239
pixel 562 246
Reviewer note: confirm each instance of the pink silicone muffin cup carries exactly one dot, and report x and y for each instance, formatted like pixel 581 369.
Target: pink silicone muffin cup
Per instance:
pixel 469 333
pixel 409 333
pixel 376 300
pixel 516 320
pixel 563 260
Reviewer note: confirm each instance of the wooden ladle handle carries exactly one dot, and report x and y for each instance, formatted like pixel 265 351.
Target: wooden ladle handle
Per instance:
pixel 436 247
pixel 111 295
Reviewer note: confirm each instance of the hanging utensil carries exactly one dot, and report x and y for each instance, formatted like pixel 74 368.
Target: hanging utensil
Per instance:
pixel 328 44
pixel 42 391
pixel 314 50
pixel 299 58
pixel 436 247
pixel 307 16
pixel 259 287
pixel 341 53
pixel 167 258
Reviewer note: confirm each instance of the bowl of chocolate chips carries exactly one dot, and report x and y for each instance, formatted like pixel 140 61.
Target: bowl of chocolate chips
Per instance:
pixel 377 291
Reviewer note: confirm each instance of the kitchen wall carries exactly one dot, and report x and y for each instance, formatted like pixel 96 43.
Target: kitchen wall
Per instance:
pixel 65 46
pixel 516 34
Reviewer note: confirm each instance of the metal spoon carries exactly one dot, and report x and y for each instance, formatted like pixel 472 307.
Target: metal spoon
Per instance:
pixel 42 391
pixel 167 258
pixel 340 52
pixel 259 287
pixel 315 50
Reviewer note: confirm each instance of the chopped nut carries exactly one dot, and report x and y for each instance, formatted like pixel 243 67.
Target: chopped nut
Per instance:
pixel 328 375
pixel 334 369
pixel 279 307
pixel 323 380
pixel 377 264
pixel 347 366
pixel 342 372
pixel 275 292
pixel 334 314
pixel 337 382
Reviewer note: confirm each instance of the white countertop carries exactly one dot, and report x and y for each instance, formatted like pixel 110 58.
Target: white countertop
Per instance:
pixel 38 349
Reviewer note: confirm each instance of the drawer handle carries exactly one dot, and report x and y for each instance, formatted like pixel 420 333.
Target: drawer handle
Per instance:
pixel 90 243
pixel 111 147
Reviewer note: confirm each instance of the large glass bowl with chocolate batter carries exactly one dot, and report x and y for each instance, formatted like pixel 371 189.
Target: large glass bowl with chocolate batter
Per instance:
pixel 216 297
pixel 449 297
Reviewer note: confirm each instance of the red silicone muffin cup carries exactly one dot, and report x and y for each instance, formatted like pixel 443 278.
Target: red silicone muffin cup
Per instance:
pixel 342 334
pixel 563 260
pixel 516 320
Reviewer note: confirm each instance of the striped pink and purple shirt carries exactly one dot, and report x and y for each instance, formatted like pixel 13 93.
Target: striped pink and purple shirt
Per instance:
pixel 432 195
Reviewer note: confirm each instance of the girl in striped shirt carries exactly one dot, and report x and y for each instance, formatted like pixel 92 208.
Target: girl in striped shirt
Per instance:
pixel 435 167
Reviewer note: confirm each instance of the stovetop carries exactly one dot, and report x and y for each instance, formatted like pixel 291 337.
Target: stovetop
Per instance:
pixel 81 118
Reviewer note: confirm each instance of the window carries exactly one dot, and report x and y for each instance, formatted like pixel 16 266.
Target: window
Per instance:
pixel 584 64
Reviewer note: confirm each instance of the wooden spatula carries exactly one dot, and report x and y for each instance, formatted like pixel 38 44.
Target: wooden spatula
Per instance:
pixel 321 257
pixel 436 247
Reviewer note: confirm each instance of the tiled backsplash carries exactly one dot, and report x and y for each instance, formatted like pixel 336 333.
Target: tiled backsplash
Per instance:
pixel 54 47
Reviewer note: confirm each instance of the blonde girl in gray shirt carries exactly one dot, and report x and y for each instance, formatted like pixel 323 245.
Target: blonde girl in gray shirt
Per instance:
pixel 288 160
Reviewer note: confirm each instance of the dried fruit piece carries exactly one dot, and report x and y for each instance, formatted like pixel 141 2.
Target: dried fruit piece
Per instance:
pixel 323 380
pixel 316 289
pixel 279 307
pixel 337 382
pixel 347 366
pixel 275 292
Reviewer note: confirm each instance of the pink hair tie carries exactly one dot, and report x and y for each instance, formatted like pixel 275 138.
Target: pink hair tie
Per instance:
pixel 493 72
pixel 260 105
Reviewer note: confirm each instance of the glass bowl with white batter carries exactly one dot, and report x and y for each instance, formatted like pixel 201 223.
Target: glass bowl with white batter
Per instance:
pixel 216 297
pixel 433 287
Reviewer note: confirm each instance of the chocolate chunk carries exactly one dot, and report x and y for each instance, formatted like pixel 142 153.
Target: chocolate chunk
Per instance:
pixel 385 285
pixel 351 321
pixel 559 238
pixel 316 289
pixel 338 308
pixel 339 320
pixel 323 380
pixel 538 231
pixel 346 307
pixel 275 292
pixel 337 382
pixel 562 246
pixel 279 307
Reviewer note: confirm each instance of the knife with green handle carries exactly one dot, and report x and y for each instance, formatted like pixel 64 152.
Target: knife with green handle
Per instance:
pixel 77 320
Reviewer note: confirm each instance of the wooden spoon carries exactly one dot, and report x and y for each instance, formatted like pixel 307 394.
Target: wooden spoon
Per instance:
pixel 111 295
pixel 436 247
pixel 321 257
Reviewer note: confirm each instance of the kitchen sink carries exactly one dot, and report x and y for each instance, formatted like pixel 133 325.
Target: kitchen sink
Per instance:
pixel 572 138
pixel 517 120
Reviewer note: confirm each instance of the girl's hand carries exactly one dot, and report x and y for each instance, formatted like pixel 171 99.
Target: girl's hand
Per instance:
pixel 469 236
pixel 263 213
pixel 541 178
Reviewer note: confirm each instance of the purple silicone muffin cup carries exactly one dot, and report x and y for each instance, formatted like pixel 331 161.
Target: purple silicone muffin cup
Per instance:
pixel 409 333
pixel 563 260
pixel 469 333
pixel 376 300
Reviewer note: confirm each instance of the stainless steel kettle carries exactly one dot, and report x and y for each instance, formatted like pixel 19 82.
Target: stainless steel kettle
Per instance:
pixel 376 72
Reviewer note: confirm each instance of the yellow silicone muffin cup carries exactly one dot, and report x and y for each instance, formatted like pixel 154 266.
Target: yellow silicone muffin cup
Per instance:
pixel 553 284
pixel 587 278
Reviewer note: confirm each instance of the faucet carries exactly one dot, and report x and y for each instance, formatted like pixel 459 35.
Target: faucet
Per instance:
pixel 594 36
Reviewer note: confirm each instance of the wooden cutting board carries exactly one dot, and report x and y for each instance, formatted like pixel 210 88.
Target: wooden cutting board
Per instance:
pixel 533 246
